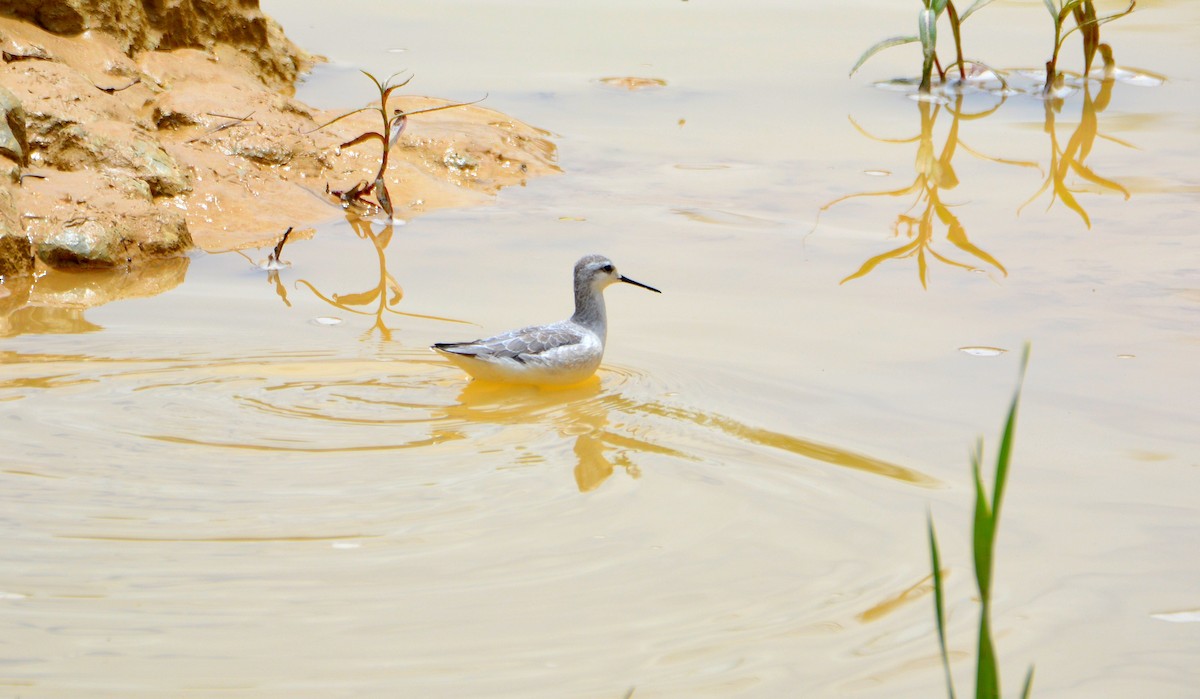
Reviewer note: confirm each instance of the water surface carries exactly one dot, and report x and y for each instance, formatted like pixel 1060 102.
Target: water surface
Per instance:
pixel 225 483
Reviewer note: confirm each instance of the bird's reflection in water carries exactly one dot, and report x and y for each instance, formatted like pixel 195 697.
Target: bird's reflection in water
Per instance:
pixel 579 412
pixel 597 416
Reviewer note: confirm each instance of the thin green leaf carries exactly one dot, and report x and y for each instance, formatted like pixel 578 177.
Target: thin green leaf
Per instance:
pixel 390 88
pixel 982 526
pixel 927 31
pixel 939 605
pixel 938 6
pixel 375 80
pixel 987 675
pixel 339 118
pixel 1028 687
pixel 1104 20
pixel 1005 455
pixel 1067 8
pixel 1051 8
pixel 388 82
pixel 886 43
pixel 977 5
pixel 441 107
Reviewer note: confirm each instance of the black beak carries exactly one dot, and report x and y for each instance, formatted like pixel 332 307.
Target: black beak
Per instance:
pixel 627 280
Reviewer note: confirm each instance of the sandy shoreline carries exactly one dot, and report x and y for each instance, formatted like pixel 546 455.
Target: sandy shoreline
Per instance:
pixel 117 154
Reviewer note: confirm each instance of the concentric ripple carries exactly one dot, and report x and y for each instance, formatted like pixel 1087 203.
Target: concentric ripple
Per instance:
pixel 408 401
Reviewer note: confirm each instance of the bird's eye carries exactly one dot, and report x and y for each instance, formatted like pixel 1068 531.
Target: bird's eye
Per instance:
pixel 607 269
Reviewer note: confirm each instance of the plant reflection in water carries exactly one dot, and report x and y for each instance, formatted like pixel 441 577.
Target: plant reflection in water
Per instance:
pixel 934 172
pixel 1063 161
pixel 386 294
pixel 920 223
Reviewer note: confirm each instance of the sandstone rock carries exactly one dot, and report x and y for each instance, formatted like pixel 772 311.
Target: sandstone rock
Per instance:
pixel 120 147
pixel 89 220
pixel 16 254
pixel 84 244
pixel 93 244
pixel 165 25
pixel 13 144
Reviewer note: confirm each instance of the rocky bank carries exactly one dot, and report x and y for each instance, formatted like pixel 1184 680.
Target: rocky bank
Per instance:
pixel 133 130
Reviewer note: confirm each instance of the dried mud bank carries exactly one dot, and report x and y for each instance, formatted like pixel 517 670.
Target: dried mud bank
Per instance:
pixel 114 150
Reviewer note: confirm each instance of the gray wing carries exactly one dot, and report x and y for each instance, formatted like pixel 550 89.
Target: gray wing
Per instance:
pixel 520 345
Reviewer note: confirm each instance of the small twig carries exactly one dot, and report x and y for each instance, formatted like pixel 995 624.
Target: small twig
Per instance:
pixel 227 125
pixel 112 90
pixel 274 256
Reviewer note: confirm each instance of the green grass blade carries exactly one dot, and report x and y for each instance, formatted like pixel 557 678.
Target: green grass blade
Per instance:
pixel 1028 684
pixel 886 43
pixel 981 527
pixel 940 606
pixel 1010 427
pixel 983 530
pixel 987 676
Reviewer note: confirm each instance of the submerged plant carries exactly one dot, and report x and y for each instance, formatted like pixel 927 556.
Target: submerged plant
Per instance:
pixel 393 124
pixel 986 521
pixel 1083 12
pixel 926 35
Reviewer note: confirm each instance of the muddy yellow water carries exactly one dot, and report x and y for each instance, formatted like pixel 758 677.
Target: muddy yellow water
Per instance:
pixel 223 482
